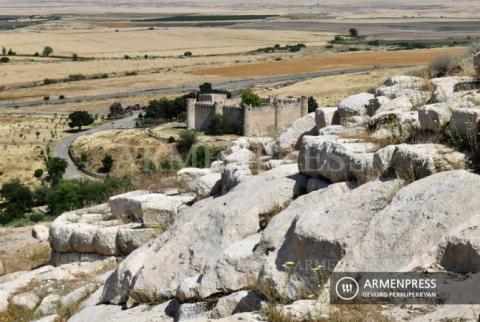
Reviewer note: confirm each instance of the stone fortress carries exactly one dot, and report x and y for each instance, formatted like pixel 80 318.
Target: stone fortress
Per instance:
pixel 267 119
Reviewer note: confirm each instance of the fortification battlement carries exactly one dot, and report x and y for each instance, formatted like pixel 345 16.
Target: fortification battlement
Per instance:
pixel 273 112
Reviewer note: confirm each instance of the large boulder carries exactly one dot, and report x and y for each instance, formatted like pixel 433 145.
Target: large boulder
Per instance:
pixel 421 160
pixel 355 105
pixel 202 182
pixel 238 302
pixel 335 159
pixel 326 116
pixel 408 233
pixel 200 234
pixel 400 104
pixel 290 137
pixel 233 174
pixel 27 301
pixel 151 209
pixel 318 229
pixel 40 232
pixel 164 312
pixel 434 116
pixel 446 87
pixel 465 121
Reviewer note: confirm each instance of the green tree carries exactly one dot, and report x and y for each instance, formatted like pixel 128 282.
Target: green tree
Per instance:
pixel 312 104
pixel 187 139
pixel 107 164
pixel 79 119
pixel 353 32
pixel 38 173
pixel 18 200
pixel 116 110
pixel 251 99
pixel 4 60
pixel 56 168
pixel 47 51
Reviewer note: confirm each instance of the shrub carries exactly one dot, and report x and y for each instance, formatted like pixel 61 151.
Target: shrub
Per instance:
pixel 133 73
pixel 107 164
pixel 251 99
pixel 353 32
pixel 187 54
pixel 187 139
pixel 202 156
pixel 443 66
pixel 56 168
pixel 61 97
pixel 18 199
pixel 312 104
pixel 76 77
pixel 48 81
pixel 47 51
pixel 4 60
pixel 75 194
pixel 171 139
pixel 38 173
pixel 46 98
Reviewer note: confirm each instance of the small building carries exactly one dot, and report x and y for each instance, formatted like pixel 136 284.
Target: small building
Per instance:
pixel 265 120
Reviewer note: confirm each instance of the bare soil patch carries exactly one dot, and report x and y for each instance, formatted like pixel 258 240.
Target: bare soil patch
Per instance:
pixel 338 61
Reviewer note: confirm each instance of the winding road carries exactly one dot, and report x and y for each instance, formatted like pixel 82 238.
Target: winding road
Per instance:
pixel 61 149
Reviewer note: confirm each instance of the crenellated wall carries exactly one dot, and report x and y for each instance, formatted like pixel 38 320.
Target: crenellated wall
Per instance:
pixel 267 119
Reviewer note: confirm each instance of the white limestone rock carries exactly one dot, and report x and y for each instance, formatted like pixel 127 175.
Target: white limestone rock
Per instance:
pixel 50 318
pixel 465 121
pixel 355 105
pixel 291 135
pixel 130 239
pixel 202 182
pixel 335 159
pixel 400 104
pixel 446 87
pixel 433 117
pixel 49 304
pixel 28 301
pixel 40 232
pixel 200 234
pixel 238 302
pixel 78 295
pixel 405 81
pixel 421 160
pixel 326 116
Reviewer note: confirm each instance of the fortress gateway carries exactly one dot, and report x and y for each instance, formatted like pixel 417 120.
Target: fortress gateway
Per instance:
pixel 264 120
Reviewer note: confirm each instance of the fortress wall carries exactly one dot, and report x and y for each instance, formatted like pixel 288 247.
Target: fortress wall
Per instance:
pixel 259 121
pixel 235 115
pixel 288 113
pixel 203 115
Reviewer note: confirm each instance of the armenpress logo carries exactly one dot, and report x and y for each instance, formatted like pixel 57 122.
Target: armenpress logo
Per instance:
pixel 347 288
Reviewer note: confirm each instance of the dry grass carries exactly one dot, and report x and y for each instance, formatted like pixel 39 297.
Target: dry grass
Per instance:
pixel 27 259
pixel 22 137
pixel 132 150
pixel 340 313
pixel 267 215
pixel 330 90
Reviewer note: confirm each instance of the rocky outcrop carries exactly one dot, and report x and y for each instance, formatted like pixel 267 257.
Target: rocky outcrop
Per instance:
pixel 335 159
pixel 92 233
pixel 203 182
pixel 288 140
pixel 199 234
pixel 326 116
pixel 465 121
pixel 40 232
pixel 434 116
pixel 355 105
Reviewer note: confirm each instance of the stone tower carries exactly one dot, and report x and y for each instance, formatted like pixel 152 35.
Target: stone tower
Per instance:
pixel 191 102
pixel 304 107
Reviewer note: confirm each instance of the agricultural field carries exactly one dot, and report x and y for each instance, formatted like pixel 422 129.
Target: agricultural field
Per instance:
pixel 22 138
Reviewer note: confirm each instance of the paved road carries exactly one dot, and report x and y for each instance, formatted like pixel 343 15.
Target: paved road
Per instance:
pixel 61 149
pixel 230 85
